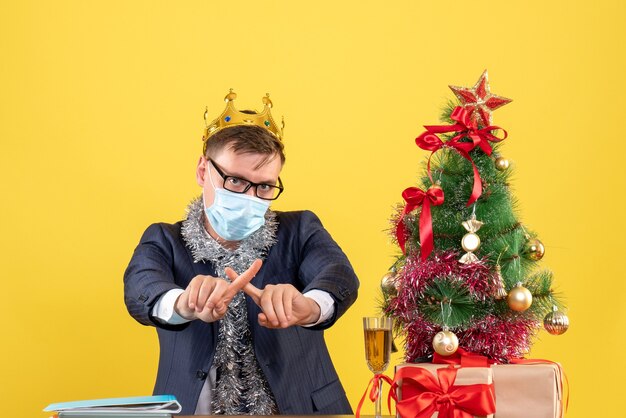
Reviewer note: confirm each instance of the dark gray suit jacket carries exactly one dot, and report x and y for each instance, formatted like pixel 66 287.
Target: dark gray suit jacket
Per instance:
pixel 295 360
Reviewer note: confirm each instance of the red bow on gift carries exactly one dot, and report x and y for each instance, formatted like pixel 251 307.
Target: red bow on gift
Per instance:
pixel 464 127
pixel 441 395
pixel 414 198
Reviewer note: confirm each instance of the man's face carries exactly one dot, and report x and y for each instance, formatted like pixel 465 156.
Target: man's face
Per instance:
pixel 239 165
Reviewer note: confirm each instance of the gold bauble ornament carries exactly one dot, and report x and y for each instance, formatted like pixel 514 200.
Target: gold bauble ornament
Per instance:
pixel 445 342
pixel 556 322
pixel 501 163
pixel 519 298
pixel 534 249
pixel 388 283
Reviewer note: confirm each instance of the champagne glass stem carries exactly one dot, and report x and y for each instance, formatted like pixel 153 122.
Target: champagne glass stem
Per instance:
pixel 379 399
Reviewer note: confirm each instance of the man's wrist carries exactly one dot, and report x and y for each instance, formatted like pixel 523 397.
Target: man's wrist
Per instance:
pixel 315 313
pixel 164 309
pixel 182 310
pixel 325 304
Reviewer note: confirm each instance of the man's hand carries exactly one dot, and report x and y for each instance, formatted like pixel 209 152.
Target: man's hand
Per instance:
pixel 282 305
pixel 207 298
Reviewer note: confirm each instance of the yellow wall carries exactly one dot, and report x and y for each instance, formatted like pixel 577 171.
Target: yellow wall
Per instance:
pixel 100 125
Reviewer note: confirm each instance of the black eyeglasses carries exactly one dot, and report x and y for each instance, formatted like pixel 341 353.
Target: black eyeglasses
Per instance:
pixel 239 185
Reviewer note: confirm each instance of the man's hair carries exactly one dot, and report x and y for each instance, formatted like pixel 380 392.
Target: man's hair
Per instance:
pixel 243 139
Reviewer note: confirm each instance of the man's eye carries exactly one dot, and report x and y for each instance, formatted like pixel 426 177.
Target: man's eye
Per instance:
pixel 234 181
pixel 264 187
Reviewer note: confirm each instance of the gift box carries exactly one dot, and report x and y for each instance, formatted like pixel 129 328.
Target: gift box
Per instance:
pixel 528 390
pixel 433 390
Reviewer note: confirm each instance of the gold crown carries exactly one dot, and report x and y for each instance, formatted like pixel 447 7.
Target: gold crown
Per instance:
pixel 233 117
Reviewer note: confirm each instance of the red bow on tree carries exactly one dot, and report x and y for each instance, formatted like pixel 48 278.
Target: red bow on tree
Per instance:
pixel 464 127
pixel 414 198
pixel 441 395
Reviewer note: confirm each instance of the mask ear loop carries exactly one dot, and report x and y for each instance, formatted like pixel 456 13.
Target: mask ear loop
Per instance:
pixel 210 180
pixel 208 163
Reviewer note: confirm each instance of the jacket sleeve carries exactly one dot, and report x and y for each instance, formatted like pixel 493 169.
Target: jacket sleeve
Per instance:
pixel 324 266
pixel 149 275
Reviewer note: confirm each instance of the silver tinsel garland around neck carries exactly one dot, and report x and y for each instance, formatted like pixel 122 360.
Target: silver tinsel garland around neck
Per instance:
pixel 241 387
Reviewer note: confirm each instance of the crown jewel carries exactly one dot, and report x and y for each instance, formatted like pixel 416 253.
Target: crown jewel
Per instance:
pixel 233 117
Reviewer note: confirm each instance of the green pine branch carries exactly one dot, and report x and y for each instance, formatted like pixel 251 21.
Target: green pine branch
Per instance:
pixel 448 302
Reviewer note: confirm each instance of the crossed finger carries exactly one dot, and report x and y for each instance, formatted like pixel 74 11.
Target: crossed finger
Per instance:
pixel 276 302
pixel 238 282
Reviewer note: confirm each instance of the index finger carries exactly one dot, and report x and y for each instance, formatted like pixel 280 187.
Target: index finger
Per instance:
pixel 243 279
pixel 249 289
pixel 254 292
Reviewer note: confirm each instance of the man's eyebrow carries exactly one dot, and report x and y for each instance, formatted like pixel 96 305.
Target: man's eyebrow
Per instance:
pixel 234 174
pixel 268 182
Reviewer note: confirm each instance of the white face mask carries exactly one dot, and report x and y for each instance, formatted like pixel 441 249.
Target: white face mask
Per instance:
pixel 235 216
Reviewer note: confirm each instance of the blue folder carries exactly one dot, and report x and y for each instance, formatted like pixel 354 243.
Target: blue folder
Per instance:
pixel 143 404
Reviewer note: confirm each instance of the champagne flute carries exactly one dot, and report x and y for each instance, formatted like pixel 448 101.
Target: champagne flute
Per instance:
pixel 377 333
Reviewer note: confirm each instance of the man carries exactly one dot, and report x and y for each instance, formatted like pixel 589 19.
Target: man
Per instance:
pixel 240 294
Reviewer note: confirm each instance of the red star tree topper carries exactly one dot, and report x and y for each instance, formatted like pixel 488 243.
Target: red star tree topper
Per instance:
pixel 479 100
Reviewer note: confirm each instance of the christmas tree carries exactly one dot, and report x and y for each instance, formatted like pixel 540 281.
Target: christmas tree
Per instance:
pixel 468 275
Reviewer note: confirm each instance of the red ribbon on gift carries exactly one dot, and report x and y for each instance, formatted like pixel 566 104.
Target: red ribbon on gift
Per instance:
pixel 463 358
pixel 441 395
pixel 464 127
pixel 414 198
pixel 375 391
